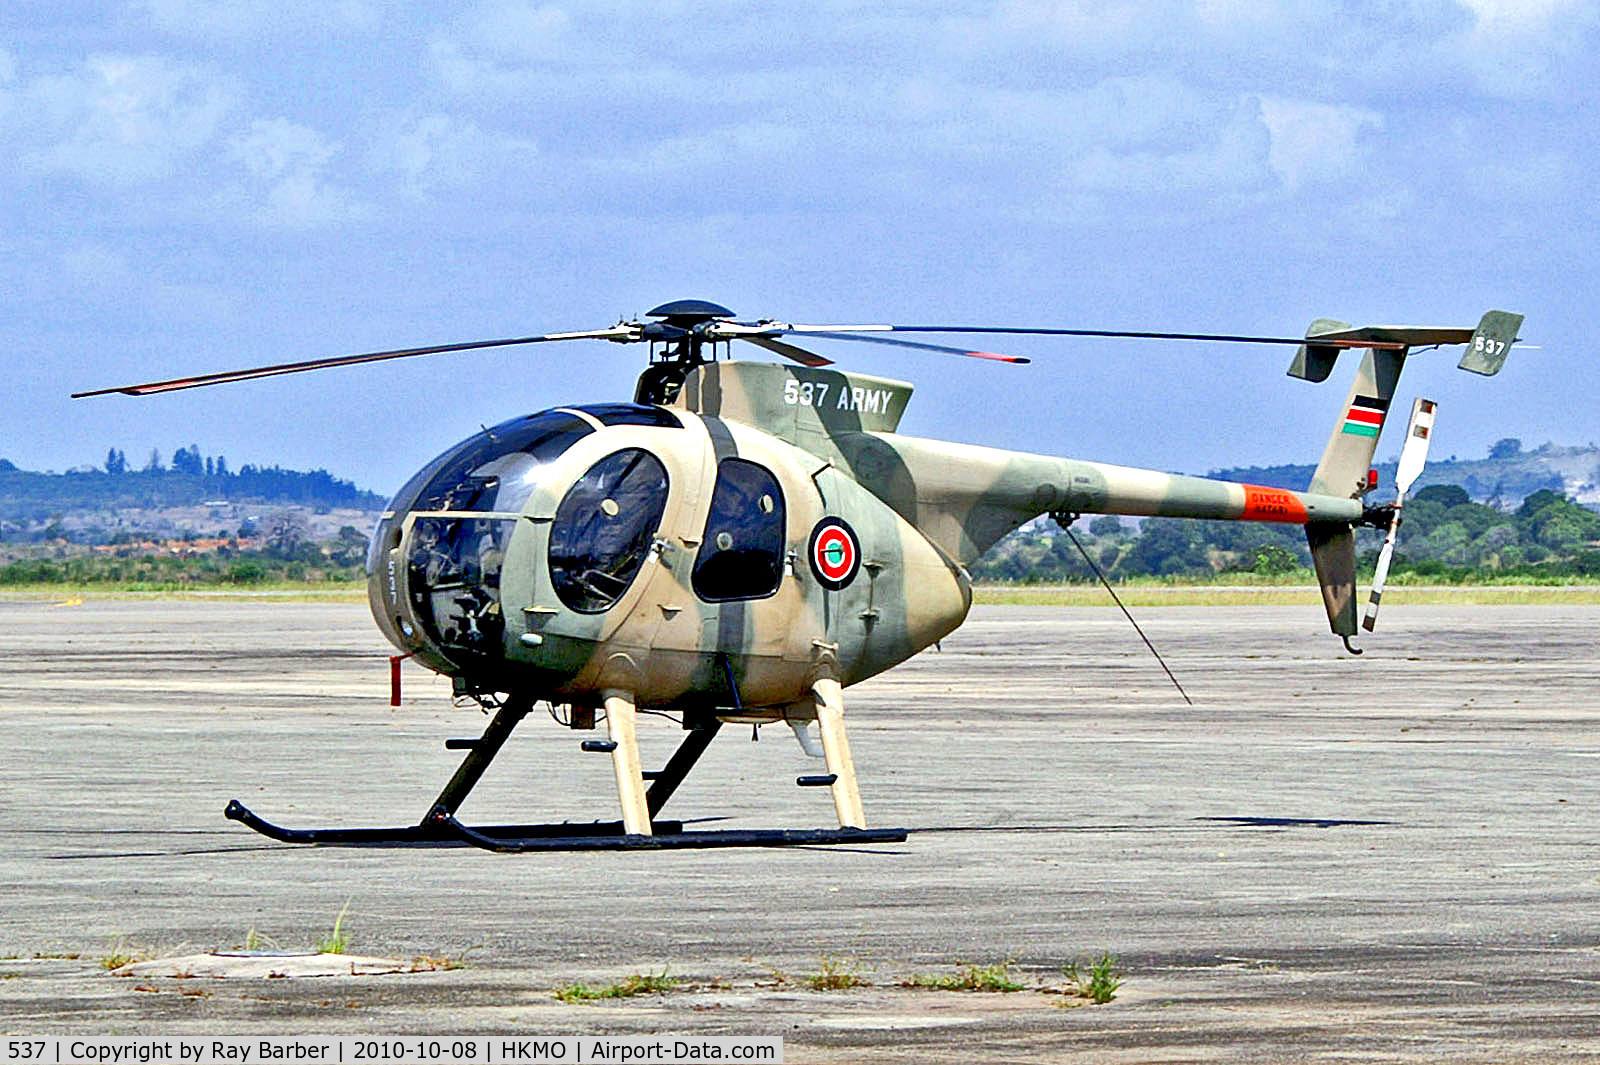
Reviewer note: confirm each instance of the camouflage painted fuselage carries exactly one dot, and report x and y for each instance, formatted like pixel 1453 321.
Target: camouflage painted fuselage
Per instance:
pixel 921 511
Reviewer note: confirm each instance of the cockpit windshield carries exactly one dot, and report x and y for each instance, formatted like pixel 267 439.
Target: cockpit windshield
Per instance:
pixel 495 470
pixel 454 564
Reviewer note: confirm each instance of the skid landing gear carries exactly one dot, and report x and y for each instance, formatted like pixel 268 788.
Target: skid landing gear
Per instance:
pixel 640 830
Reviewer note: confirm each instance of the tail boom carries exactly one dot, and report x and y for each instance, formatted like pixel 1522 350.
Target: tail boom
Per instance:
pixel 965 498
pixel 1097 488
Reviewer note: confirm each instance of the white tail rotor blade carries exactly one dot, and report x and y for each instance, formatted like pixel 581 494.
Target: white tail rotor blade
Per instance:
pixel 1380 575
pixel 1413 455
pixel 1415 451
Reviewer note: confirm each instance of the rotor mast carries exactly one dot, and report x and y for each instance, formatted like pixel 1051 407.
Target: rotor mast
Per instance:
pixel 682 330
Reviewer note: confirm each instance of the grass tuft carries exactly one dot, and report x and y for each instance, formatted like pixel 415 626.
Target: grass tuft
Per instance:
pixel 121 954
pixel 629 986
pixel 992 978
pixel 836 974
pixel 1096 981
pixel 336 942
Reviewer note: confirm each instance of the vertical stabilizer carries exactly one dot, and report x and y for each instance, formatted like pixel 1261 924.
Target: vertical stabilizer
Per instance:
pixel 1348 456
pixel 1343 473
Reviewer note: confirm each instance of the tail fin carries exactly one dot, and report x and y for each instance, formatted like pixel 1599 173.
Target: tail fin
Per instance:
pixel 1343 473
pixel 1343 470
pixel 1348 456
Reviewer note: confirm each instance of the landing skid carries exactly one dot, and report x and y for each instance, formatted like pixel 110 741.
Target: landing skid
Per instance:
pixel 667 838
pixel 440 828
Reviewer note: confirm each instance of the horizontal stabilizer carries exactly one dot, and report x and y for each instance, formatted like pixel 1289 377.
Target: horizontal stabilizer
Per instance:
pixel 1487 345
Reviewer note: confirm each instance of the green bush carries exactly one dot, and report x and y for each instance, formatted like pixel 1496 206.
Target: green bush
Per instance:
pixel 247 572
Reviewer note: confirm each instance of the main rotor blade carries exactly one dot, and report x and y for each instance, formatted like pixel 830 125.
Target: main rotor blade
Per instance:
pixel 788 351
pixel 1338 341
pixel 994 356
pixel 620 332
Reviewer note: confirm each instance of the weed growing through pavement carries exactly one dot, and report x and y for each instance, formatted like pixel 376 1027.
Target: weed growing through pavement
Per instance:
pixel 629 986
pixel 1097 981
pixel 432 963
pixel 994 978
pixel 121 954
pixel 336 941
pixel 836 974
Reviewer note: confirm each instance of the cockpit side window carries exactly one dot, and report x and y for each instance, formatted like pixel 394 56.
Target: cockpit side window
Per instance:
pixel 602 531
pixel 742 554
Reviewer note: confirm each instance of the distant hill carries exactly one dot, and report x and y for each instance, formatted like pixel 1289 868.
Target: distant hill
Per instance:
pixel 1503 480
pixel 27 497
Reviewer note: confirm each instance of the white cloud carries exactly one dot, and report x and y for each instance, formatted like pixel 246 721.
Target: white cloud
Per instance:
pixel 518 30
pixel 432 152
pixel 1229 157
pixel 251 19
pixel 633 106
pixel 1537 16
pixel 1315 142
pixel 175 132
pixel 273 148
pixel 505 46
pixel 287 163
pixel 1522 48
pixel 117 120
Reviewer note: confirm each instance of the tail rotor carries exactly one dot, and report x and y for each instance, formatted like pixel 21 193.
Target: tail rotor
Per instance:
pixel 1413 455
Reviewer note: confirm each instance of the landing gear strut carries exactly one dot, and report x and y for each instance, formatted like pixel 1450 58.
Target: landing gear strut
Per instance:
pixel 639 831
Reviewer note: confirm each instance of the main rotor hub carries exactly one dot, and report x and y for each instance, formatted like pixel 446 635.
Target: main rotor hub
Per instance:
pixel 682 327
pixel 686 314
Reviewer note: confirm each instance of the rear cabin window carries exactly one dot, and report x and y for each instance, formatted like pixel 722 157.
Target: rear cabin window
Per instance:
pixel 741 556
pixel 604 527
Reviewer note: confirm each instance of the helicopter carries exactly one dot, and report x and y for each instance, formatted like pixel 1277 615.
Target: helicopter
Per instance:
pixel 744 540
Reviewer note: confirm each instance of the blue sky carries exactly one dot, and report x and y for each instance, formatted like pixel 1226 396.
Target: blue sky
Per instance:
pixel 189 186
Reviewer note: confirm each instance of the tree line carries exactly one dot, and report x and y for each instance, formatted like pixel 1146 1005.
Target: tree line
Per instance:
pixel 190 478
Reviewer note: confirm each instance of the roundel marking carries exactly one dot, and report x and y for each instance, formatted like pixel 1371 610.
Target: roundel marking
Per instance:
pixel 835 553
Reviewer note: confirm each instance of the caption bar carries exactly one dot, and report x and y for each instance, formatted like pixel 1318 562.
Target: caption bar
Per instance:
pixel 396 1050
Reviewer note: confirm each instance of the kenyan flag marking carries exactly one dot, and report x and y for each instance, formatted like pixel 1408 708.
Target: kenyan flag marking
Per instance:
pixel 835 553
pixel 1365 416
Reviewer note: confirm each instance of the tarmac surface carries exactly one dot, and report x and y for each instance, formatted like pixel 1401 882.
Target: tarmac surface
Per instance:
pixel 1387 858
